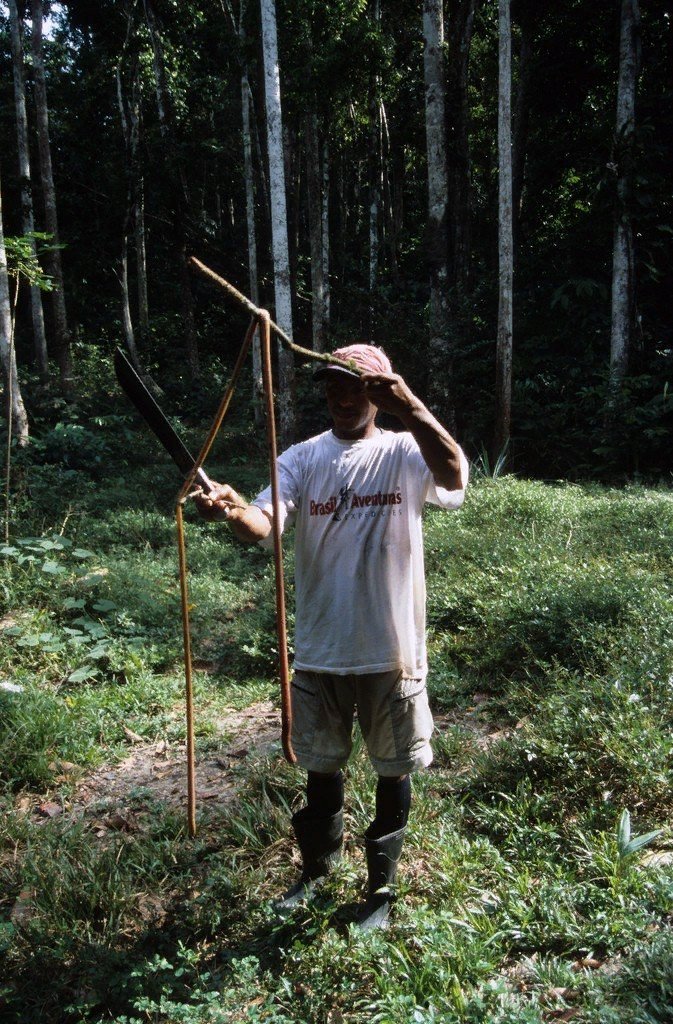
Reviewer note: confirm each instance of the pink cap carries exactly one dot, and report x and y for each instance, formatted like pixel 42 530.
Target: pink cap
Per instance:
pixel 367 358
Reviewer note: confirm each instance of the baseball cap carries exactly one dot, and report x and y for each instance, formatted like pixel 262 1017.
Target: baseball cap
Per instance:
pixel 367 358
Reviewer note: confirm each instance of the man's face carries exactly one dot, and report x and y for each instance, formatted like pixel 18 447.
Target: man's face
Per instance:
pixel 352 412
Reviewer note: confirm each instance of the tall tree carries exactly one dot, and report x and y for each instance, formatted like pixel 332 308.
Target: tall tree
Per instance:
pixel 438 200
pixel 178 181
pixel 325 233
pixel 503 396
pixel 623 261
pixel 15 410
pixel 247 116
pixel 460 27
pixel 61 330
pixel 521 113
pixel 28 219
pixel 129 115
pixel 374 163
pixel 279 236
pixel 315 224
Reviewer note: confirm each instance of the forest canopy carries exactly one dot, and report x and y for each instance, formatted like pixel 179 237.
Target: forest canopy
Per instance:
pixel 158 141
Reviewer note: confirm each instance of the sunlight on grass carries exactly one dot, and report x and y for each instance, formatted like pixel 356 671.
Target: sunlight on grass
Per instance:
pixel 521 897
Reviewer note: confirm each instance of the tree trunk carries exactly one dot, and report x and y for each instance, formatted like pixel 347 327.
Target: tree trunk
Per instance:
pixel 315 215
pixel 623 263
pixel 141 262
pixel 325 235
pixel 437 236
pixel 15 410
pixel 248 170
pixel 138 187
pixel 374 171
pixel 129 129
pixel 27 218
pixel 247 108
pixel 503 410
pixel 178 179
pixel 61 331
pixel 521 119
pixel 460 26
pixel 281 260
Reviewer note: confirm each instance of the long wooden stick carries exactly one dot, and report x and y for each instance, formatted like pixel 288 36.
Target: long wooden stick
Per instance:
pixel 322 357
pixel 184 589
pixel 281 625
pixel 189 684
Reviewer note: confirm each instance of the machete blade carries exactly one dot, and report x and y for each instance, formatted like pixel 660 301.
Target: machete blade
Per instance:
pixel 137 392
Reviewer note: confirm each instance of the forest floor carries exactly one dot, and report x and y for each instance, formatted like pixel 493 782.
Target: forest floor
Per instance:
pixel 536 883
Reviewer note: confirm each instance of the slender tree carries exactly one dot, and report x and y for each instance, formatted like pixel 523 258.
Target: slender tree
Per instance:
pixel 247 115
pixel 325 233
pixel 248 171
pixel 623 262
pixel 438 199
pixel 374 164
pixel 503 408
pixel 61 330
pixel 521 114
pixel 315 224
pixel 279 234
pixel 129 118
pixel 178 180
pixel 15 410
pixel 28 219
pixel 460 27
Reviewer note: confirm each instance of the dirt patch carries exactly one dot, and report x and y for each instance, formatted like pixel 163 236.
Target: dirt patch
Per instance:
pixel 157 772
pixel 116 796
pixel 476 721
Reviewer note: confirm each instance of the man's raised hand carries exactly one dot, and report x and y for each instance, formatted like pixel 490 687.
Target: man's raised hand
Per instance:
pixel 390 393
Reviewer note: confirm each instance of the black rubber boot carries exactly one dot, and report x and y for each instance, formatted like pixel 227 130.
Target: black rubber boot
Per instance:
pixel 383 856
pixel 320 841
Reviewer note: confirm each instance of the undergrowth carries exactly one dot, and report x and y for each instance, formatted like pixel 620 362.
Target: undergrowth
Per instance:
pixel 523 896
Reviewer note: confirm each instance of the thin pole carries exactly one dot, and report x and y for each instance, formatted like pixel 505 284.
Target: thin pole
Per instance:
pixel 184 589
pixel 281 627
pixel 189 685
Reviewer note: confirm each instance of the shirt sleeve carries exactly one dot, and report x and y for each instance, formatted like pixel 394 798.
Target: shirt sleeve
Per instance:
pixel 430 490
pixel 289 487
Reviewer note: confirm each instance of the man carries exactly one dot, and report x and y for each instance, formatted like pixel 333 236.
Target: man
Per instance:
pixel 355 494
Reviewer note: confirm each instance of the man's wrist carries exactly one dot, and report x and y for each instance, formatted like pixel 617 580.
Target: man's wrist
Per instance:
pixel 413 412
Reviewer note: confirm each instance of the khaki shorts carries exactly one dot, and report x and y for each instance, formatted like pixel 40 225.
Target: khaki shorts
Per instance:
pixel 392 711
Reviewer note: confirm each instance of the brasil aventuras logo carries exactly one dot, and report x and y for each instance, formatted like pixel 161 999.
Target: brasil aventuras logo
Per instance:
pixel 347 500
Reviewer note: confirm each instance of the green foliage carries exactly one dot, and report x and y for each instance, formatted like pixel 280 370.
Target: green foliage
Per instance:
pixel 23 262
pixel 551 660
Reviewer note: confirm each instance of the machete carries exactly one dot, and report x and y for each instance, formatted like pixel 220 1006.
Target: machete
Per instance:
pixel 137 392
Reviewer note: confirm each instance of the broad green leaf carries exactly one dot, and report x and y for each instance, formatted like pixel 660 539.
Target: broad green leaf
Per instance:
pixel 638 842
pixel 81 674
pixel 53 568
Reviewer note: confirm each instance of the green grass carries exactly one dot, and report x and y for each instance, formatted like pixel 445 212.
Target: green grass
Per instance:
pixel 550 625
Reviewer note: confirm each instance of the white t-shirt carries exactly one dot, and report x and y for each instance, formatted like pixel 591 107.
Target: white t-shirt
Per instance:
pixel 359 575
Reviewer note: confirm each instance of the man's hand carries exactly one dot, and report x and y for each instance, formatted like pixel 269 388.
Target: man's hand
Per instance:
pixel 390 393
pixel 223 503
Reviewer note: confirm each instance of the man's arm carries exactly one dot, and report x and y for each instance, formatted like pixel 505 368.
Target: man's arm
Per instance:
pixel 390 393
pixel 223 503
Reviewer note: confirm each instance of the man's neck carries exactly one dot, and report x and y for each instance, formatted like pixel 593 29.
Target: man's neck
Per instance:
pixel 360 434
